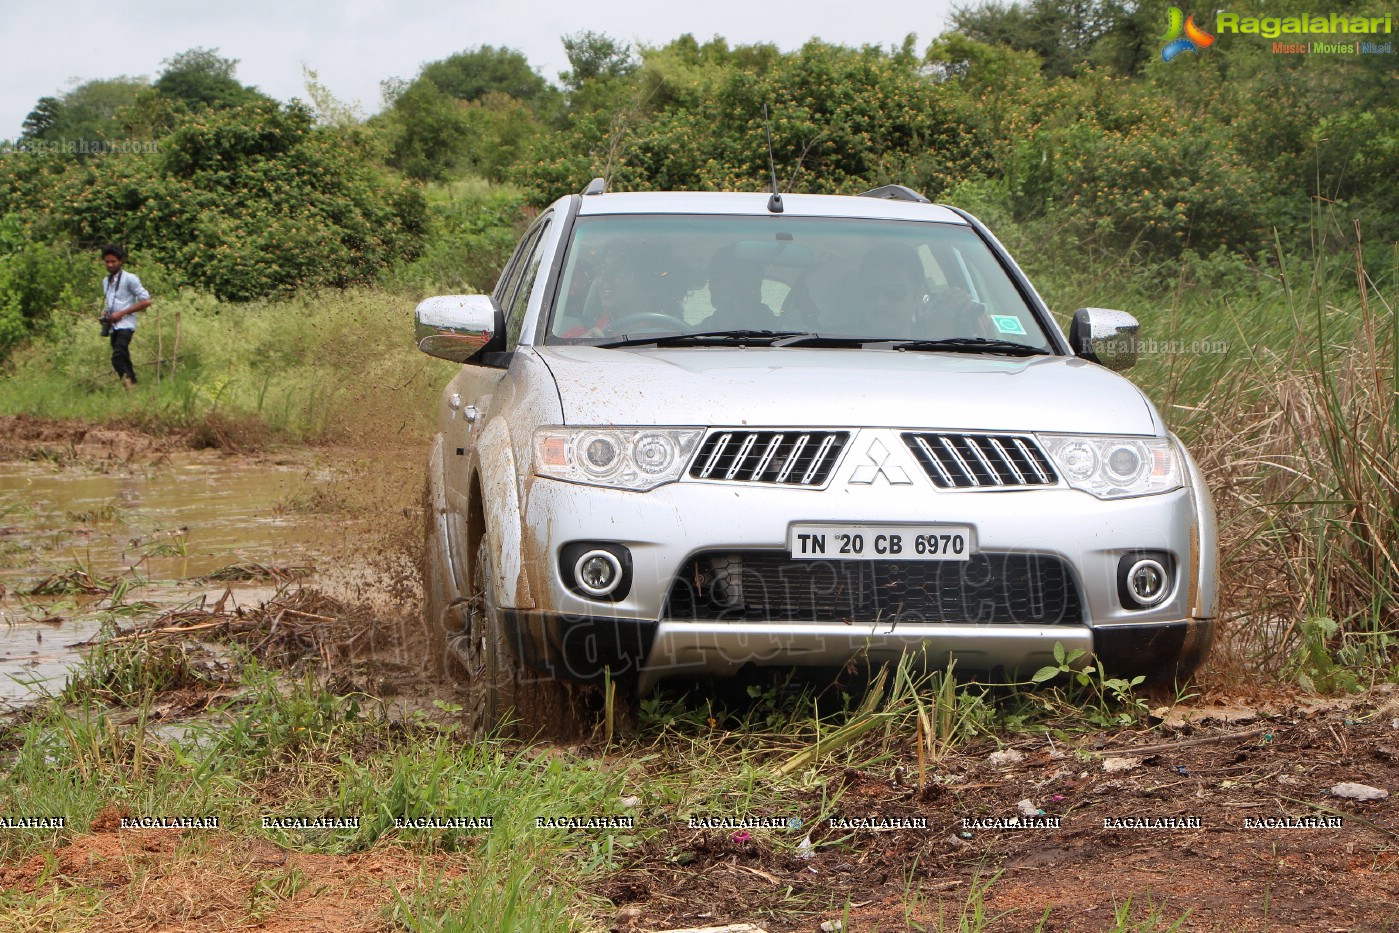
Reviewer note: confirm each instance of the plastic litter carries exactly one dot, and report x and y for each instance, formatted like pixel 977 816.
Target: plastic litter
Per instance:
pixel 1027 808
pixel 805 849
pixel 1005 758
pixel 1111 765
pixel 742 837
pixel 1358 791
pixel 832 926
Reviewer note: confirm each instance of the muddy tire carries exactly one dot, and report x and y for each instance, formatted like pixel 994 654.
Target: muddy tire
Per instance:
pixel 520 700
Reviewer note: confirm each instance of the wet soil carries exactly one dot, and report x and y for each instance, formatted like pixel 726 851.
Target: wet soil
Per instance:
pixel 1169 837
pixel 347 522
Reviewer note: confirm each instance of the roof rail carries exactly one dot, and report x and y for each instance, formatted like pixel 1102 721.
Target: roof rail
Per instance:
pixel 895 193
pixel 596 186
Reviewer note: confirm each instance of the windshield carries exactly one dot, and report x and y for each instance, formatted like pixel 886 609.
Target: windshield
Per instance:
pixel 634 275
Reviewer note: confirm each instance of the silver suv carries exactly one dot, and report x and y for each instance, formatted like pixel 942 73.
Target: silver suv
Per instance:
pixel 694 432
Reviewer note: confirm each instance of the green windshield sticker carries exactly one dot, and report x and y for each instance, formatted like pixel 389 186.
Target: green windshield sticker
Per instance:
pixel 1008 324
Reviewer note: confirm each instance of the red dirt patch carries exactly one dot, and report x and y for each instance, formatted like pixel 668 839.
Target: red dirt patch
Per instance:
pixel 192 881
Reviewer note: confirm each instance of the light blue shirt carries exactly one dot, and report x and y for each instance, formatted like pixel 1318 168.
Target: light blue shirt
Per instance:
pixel 124 290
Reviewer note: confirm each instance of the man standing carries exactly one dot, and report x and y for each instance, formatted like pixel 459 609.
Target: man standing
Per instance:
pixel 125 298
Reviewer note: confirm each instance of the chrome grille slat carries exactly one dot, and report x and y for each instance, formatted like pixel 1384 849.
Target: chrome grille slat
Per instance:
pixel 934 462
pixel 723 442
pixel 1005 458
pixel 957 460
pixel 792 458
pixel 770 457
pixel 767 457
pixel 1034 461
pixel 742 455
pixel 817 460
pixel 976 449
pixel 956 455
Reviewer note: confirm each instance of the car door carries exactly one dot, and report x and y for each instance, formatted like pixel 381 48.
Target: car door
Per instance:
pixel 472 392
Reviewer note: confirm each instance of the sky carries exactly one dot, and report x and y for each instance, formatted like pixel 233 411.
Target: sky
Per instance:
pixel 353 45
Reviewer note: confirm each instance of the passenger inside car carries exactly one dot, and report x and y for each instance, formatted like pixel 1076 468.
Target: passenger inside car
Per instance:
pixel 736 294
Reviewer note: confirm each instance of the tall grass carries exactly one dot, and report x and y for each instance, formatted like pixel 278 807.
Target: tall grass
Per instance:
pixel 1280 374
pixel 1302 449
pixel 318 366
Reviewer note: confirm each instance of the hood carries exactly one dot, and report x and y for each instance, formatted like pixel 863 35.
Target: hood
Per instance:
pixel 791 386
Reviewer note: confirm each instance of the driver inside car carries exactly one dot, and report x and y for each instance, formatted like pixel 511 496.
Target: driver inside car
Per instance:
pixel 901 304
pixel 634 284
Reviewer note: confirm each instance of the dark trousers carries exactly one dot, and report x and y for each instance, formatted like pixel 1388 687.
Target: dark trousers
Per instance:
pixel 121 353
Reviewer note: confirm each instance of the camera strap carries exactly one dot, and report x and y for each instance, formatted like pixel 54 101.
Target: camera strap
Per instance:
pixel 113 289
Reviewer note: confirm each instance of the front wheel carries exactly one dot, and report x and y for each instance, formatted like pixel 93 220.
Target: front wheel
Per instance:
pixel 514 697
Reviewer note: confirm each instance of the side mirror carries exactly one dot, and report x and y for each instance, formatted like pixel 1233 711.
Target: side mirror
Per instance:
pixel 1105 336
pixel 458 327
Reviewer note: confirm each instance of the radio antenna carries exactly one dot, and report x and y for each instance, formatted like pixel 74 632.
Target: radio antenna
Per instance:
pixel 774 202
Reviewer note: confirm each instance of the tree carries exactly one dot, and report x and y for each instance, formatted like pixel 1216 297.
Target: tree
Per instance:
pixel 473 73
pixel 427 132
pixel 201 78
pixel 43 118
pixel 594 55
pixel 1065 33
pixel 89 112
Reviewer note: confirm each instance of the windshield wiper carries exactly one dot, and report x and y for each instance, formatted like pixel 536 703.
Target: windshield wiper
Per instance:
pixel 760 337
pixel 973 345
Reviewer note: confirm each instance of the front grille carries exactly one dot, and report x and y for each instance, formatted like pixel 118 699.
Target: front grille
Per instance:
pixel 788 458
pixel 768 586
pixel 968 461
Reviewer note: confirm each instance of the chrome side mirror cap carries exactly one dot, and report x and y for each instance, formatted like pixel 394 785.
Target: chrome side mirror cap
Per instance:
pixel 1106 337
pixel 456 327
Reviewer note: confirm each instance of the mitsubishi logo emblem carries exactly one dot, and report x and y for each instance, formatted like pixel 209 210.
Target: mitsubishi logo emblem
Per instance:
pixel 866 473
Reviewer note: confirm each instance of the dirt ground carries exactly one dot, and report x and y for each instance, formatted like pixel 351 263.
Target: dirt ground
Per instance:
pixel 1222 767
pixel 1234 753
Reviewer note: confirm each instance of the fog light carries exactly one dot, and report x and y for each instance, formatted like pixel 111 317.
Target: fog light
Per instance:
pixel 1148 582
pixel 598 573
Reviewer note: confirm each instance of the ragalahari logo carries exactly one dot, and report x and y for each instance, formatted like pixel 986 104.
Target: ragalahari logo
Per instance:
pixel 1194 39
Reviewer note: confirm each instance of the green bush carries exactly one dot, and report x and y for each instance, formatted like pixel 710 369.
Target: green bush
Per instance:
pixel 842 119
pixel 34 278
pixel 244 201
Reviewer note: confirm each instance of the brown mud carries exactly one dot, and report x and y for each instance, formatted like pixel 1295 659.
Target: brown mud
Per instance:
pixel 1235 752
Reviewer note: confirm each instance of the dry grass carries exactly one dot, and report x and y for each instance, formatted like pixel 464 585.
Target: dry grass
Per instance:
pixel 1302 452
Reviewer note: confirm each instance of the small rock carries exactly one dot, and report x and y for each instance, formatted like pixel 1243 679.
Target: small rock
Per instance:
pixel 1289 779
pixel 832 926
pixel 1229 715
pixel 805 849
pixel 954 842
pixel 1358 791
pixel 630 801
pixel 1111 765
pixel 1027 808
pixel 1005 758
pixel 1169 718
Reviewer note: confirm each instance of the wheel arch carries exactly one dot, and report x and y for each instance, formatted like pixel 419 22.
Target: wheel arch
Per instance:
pixel 495 503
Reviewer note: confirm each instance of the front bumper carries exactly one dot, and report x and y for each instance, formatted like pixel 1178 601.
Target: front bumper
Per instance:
pixel 665 528
pixel 644 653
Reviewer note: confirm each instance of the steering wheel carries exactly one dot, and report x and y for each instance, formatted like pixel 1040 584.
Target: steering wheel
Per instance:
pixel 649 317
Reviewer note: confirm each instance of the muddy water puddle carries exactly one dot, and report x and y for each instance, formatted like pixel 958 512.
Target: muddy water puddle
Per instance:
pixel 188 515
pixel 174 533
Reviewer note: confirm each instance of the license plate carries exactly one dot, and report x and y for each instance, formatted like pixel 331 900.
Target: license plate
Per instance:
pixel 845 541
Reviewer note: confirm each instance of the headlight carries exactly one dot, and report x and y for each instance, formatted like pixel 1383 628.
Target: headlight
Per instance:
pixel 635 458
pixel 1115 467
